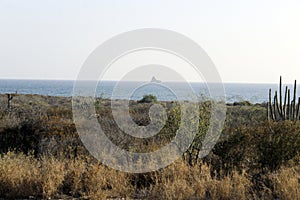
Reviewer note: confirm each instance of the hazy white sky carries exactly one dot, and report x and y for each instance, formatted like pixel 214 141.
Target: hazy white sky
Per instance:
pixel 249 41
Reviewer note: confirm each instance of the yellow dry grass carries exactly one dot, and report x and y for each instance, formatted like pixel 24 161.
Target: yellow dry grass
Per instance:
pixel 287 183
pixel 22 176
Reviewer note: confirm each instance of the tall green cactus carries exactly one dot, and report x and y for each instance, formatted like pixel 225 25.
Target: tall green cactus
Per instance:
pixel 294 102
pixel 284 109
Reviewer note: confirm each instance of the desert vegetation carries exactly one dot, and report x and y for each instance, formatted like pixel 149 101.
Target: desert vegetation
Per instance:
pixel 43 157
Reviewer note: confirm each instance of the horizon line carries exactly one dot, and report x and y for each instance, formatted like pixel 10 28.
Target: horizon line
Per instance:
pixel 114 80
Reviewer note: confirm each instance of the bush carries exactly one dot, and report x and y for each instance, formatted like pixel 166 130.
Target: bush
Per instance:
pixel 242 103
pixel 265 146
pixel 149 98
pixel 278 143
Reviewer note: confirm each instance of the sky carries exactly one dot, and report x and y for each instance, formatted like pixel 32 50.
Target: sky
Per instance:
pixel 248 41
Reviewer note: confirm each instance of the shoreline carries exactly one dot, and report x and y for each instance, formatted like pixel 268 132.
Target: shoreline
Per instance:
pixel 228 103
pixel 234 92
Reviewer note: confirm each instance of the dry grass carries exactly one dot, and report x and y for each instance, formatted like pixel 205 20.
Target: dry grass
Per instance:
pixel 180 181
pixel 19 176
pixel 22 176
pixel 287 183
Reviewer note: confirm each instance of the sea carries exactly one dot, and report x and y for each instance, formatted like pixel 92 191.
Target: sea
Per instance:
pixel 169 91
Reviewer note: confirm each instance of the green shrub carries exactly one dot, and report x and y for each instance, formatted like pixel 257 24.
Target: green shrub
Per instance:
pixel 264 146
pixel 242 103
pixel 149 98
pixel 279 143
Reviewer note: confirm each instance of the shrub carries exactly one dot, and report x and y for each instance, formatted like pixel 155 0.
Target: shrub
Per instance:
pixel 264 146
pixel 242 103
pixel 149 98
pixel 278 143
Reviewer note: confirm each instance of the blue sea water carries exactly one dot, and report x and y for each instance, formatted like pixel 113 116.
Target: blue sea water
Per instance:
pixel 255 93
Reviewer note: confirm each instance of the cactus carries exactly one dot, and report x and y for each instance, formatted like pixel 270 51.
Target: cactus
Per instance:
pixel 284 105
pixel 276 106
pixel 284 109
pixel 270 113
pixel 298 107
pixel 280 98
pixel 9 98
pixel 289 105
pixel 294 101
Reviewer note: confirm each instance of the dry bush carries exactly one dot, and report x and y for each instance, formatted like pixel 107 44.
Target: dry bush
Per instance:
pixel 101 183
pixel 287 183
pixel 19 176
pixel 52 173
pixel 181 181
pixel 232 186
pixel 22 176
pixel 73 184
pixel 184 182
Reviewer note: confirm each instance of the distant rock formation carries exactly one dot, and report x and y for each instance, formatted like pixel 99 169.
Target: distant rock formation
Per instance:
pixel 154 80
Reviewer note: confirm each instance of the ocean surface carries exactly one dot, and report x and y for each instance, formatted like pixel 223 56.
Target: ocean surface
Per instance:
pixel 255 93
